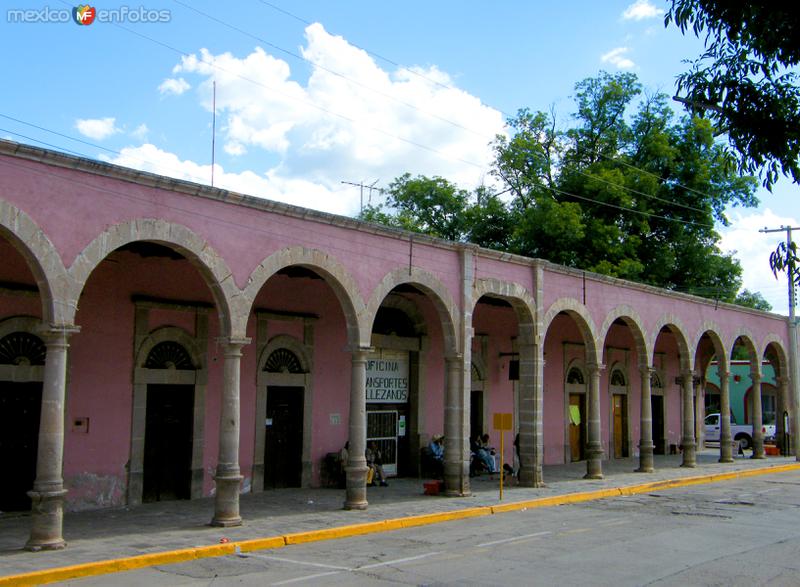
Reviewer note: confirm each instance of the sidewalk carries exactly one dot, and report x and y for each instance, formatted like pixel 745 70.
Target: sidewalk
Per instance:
pixel 159 527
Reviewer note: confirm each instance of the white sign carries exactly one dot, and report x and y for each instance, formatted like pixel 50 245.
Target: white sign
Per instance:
pixel 387 381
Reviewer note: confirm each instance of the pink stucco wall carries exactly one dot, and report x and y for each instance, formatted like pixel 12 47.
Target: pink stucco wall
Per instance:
pixel 101 355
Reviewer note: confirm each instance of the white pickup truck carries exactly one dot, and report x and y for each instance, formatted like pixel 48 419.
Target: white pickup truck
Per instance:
pixel 743 433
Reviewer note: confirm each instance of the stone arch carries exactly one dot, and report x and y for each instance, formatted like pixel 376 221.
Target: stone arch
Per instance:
pixel 213 268
pixel 42 259
pixel 430 285
pixel 408 308
pixel 284 341
pixel 515 294
pixel 635 324
pixel 720 350
pixel 580 314
pixel 748 340
pixel 167 334
pixel 775 342
pixel 24 372
pixel 674 324
pixel 142 377
pixel 332 271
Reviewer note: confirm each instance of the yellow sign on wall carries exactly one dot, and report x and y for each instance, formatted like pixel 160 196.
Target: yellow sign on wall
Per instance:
pixel 503 421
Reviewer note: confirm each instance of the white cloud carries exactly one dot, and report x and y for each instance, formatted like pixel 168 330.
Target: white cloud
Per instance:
pixel 174 86
pixel 272 185
pixel 140 132
pixel 641 10
pixel 331 128
pixel 97 128
pixel 753 248
pixel 617 58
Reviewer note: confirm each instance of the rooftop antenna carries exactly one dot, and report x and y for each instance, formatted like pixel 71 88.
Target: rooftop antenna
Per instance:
pixel 213 129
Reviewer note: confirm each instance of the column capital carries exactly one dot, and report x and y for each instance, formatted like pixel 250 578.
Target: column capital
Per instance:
pixel 595 367
pixel 454 358
pixel 646 370
pixel 755 374
pixel 57 333
pixel 723 375
pixel 234 340
pixel 360 352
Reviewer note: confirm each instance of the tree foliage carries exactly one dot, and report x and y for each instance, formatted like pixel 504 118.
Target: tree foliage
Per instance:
pixel 746 80
pixel 628 189
pixel 752 299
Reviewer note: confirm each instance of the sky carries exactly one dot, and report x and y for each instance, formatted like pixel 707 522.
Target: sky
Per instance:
pixel 314 93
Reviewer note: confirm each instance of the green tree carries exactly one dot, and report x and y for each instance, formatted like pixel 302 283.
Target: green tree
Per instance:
pixel 752 299
pixel 746 80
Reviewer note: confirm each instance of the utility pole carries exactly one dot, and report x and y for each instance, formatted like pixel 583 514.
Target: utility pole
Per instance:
pixel 794 366
pixel 361 185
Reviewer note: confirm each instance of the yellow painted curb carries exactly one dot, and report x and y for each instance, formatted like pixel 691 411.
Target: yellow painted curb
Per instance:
pixel 199 552
pixel 336 532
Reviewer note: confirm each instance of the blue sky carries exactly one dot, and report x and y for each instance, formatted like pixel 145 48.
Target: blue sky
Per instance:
pixel 313 93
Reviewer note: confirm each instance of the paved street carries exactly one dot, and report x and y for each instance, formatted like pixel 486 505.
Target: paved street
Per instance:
pixel 743 532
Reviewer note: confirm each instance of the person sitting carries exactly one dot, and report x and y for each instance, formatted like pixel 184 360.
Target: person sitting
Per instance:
pixel 375 463
pixel 486 453
pixel 436 447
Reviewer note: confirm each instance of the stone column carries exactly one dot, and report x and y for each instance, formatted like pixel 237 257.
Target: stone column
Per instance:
pixel 228 476
pixel 531 449
pixel 47 496
pixel 687 439
pixel 700 414
pixel 594 445
pixel 758 417
pixel 356 470
pixel 785 405
pixel 725 440
pixel 646 446
pixel 456 482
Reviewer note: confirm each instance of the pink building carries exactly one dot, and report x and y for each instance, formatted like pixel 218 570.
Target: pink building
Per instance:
pixel 161 339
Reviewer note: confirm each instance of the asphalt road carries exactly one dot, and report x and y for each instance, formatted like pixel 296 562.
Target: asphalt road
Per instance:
pixel 744 532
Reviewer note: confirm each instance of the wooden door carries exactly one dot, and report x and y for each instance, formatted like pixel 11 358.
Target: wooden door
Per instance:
pixel 577 426
pixel 657 403
pixel 168 438
pixel 20 409
pixel 620 426
pixel 283 447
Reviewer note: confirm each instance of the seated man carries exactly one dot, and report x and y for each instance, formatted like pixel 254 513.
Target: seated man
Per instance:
pixel 486 453
pixel 375 463
pixel 436 447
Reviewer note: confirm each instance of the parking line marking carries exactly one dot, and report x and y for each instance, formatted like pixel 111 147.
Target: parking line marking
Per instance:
pixel 515 538
pixel 297 562
pixel 396 561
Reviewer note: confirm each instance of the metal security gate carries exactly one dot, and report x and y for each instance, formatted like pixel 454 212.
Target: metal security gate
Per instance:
pixel 382 428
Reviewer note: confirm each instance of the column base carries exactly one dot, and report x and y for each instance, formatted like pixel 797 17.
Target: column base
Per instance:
pixel 646 460
pixel 47 511
pixel 226 501
pixel 725 460
pixel 594 464
pixel 758 456
pixel 689 454
pixel 531 478
pixel 356 491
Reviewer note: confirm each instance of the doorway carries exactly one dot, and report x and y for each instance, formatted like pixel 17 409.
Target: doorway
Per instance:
pixel 476 413
pixel 657 405
pixel 168 442
pixel 283 446
pixel 620 416
pixel 20 409
pixel 577 426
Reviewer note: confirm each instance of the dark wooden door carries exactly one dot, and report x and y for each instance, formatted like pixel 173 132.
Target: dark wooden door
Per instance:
pixel 283 450
pixel 168 442
pixel 657 402
pixel 577 426
pixel 20 409
pixel 620 426
pixel 476 414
